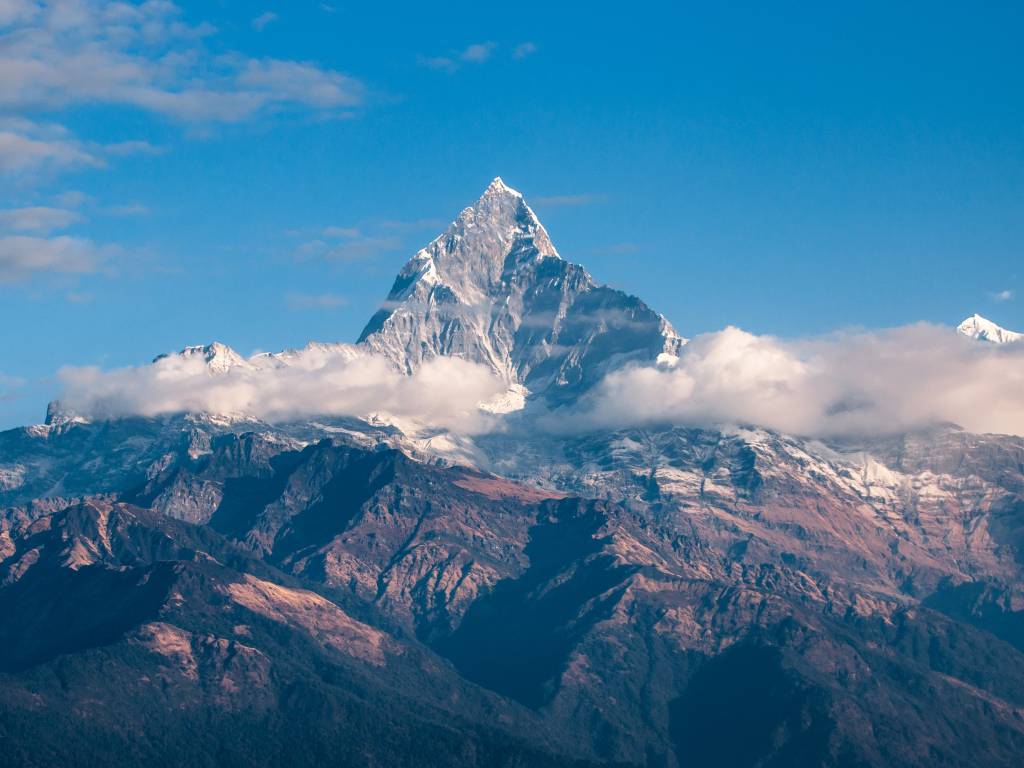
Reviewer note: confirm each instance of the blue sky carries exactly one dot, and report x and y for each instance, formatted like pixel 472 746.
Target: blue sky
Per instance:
pixel 256 173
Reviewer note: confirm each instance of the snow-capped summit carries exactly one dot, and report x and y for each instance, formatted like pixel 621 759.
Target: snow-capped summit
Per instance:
pixel 219 358
pixel 492 289
pixel 314 353
pixel 978 327
pixel 479 249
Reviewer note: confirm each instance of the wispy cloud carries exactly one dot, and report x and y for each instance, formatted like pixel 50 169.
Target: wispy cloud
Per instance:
pixel 14 11
pixel 363 242
pixel 360 248
pixel 127 209
pixel 29 147
pixel 523 50
pixel 617 249
pixel 557 201
pixel 441 63
pixel 1005 295
pixel 71 52
pixel 135 147
pixel 477 53
pixel 41 219
pixel 9 384
pixel 314 301
pixel 262 20
pixel 341 232
pixel 22 256
pixel 71 198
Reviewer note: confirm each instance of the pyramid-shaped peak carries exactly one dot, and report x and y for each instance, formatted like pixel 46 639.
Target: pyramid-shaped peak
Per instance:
pixel 499 187
pixel 491 289
pixel 477 251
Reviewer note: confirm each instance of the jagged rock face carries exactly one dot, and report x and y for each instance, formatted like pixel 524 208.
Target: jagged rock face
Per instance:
pixel 493 290
pixel 131 636
pixel 725 564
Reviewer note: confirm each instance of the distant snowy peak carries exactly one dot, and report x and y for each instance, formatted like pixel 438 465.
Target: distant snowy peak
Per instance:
pixel 220 358
pixel 977 327
pixel 493 289
pixel 313 354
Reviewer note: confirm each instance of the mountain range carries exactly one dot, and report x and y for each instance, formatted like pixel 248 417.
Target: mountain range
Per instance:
pixel 214 586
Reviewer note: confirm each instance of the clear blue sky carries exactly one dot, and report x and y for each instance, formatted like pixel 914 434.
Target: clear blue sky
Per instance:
pixel 256 173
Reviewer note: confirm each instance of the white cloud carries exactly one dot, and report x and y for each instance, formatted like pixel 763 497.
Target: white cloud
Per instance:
pixel 30 147
pixel 37 219
pixel 478 53
pixel 13 11
pixel 444 393
pixel 864 383
pixel 71 198
pixel 127 209
pixel 867 383
pixel 262 20
pixel 442 63
pixel 344 244
pixel 523 50
pixel 1003 295
pixel 300 83
pixel 22 256
pixel 340 232
pixel 91 52
pixel 314 301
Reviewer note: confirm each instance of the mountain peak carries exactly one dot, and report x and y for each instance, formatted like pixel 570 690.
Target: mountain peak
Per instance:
pixel 983 329
pixel 492 289
pixel 219 358
pixel 478 251
pixel 499 187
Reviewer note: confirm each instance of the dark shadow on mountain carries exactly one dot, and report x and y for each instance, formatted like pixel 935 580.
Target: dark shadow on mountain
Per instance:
pixel 983 605
pixel 353 484
pixel 743 709
pixel 245 497
pixel 517 639
pixel 45 615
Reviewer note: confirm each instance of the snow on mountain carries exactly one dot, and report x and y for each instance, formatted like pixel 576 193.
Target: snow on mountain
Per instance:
pixel 219 358
pixel 314 353
pixel 492 289
pixel 978 327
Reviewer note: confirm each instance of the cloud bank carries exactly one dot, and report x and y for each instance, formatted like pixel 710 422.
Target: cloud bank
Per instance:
pixel 444 393
pixel 852 384
pixel 65 52
pixel 848 384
